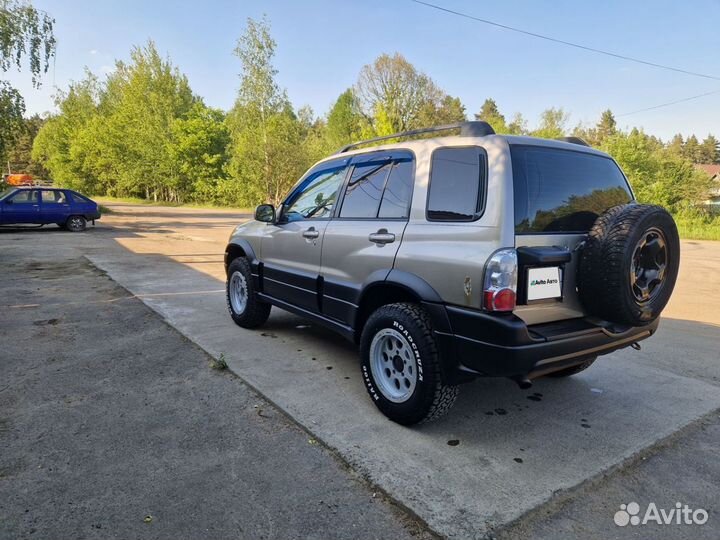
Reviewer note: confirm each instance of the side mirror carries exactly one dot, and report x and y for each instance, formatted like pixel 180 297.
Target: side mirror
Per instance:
pixel 265 213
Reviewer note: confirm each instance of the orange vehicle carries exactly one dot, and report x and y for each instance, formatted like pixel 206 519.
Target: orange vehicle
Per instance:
pixel 19 179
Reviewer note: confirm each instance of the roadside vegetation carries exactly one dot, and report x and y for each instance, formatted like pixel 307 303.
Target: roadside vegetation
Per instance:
pixel 141 135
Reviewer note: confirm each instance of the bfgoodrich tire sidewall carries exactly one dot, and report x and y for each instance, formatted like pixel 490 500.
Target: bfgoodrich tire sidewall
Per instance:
pixel 414 408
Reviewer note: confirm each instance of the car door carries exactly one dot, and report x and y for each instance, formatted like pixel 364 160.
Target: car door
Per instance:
pixel 363 237
pixel 22 207
pixel 291 248
pixel 54 206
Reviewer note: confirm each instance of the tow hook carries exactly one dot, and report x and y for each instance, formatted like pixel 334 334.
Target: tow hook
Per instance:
pixel 636 346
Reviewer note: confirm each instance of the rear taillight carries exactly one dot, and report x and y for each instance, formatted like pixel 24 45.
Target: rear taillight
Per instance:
pixel 500 281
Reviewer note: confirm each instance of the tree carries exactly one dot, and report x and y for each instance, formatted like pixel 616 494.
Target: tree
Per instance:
pixel 518 125
pixel 25 33
pixel 657 175
pixel 55 145
pixel 344 121
pixel 449 110
pixel 394 96
pixel 691 149
pixel 490 113
pixel 606 127
pixel 198 147
pixel 266 137
pixel 710 150
pixel 676 145
pixel 19 153
pixel 552 124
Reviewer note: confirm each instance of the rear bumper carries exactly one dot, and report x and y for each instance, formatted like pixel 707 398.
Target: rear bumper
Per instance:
pixel 474 343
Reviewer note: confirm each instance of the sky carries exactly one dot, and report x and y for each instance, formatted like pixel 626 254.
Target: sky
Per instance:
pixel 322 45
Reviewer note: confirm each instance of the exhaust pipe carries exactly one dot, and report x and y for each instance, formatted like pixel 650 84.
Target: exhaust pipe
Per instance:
pixel 636 346
pixel 523 382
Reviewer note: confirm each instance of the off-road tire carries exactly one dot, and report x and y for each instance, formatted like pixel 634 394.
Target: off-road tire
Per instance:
pixel 76 224
pixel 574 370
pixel 604 279
pixel 256 311
pixel 431 398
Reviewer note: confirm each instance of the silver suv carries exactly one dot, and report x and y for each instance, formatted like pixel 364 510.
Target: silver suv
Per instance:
pixel 458 256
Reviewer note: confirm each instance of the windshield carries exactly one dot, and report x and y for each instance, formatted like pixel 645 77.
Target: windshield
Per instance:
pixel 5 192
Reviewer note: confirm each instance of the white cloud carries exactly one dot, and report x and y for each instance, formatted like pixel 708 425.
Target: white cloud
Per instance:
pixel 93 51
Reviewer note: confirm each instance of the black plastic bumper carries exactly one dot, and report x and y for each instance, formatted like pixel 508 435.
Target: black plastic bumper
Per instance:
pixel 474 343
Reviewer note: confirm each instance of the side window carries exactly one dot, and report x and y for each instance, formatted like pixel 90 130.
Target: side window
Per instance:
pixel 25 196
pixel 52 197
pixel 316 196
pixel 365 189
pixel 76 197
pixel 398 191
pixel 457 184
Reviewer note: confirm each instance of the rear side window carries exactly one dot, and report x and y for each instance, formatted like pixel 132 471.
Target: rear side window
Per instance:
pixel 78 198
pixel 559 190
pixel 53 197
pixel 457 184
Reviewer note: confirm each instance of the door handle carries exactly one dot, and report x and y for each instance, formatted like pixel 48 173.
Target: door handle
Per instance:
pixel 311 233
pixel 382 237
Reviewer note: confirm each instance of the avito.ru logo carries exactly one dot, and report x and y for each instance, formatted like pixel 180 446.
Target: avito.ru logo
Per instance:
pixel 680 515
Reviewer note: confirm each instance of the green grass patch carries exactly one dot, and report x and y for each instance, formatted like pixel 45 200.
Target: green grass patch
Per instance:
pixel 105 200
pixel 699 228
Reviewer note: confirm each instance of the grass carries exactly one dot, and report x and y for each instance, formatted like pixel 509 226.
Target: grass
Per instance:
pixel 146 202
pixel 699 229
pixel 219 363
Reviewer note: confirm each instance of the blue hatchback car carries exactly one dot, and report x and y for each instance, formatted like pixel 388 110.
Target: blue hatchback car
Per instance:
pixel 41 206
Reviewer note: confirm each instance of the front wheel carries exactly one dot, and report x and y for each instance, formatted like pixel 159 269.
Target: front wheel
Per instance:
pixel 401 365
pixel 246 309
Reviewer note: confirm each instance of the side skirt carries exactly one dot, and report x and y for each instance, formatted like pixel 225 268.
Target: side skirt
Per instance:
pixel 342 329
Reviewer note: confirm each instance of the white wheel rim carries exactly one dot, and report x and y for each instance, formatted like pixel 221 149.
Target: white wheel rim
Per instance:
pixel 238 292
pixel 393 365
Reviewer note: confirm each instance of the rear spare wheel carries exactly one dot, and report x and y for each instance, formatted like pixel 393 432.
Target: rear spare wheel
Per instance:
pixel 629 264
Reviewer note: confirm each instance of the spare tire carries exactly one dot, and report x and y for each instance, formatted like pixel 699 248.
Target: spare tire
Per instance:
pixel 629 264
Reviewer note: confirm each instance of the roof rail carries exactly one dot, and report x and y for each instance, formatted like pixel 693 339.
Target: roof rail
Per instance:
pixel 467 129
pixel 574 140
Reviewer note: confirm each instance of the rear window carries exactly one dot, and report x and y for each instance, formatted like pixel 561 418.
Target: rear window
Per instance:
pixel 563 190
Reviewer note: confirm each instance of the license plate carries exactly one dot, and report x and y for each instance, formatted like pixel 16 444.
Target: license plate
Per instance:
pixel 543 283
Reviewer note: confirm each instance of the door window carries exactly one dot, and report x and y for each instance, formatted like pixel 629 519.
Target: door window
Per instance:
pixel 26 196
pixel 379 188
pixel 316 195
pixel 398 191
pixel 365 189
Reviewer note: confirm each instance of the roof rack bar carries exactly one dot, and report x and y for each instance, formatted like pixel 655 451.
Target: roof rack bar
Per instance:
pixel 467 129
pixel 574 140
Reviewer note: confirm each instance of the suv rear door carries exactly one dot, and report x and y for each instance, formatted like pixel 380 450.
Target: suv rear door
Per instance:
pixel 363 237
pixel 290 249
pixel 558 194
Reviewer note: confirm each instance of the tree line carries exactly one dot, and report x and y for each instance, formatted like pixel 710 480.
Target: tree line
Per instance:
pixel 142 132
